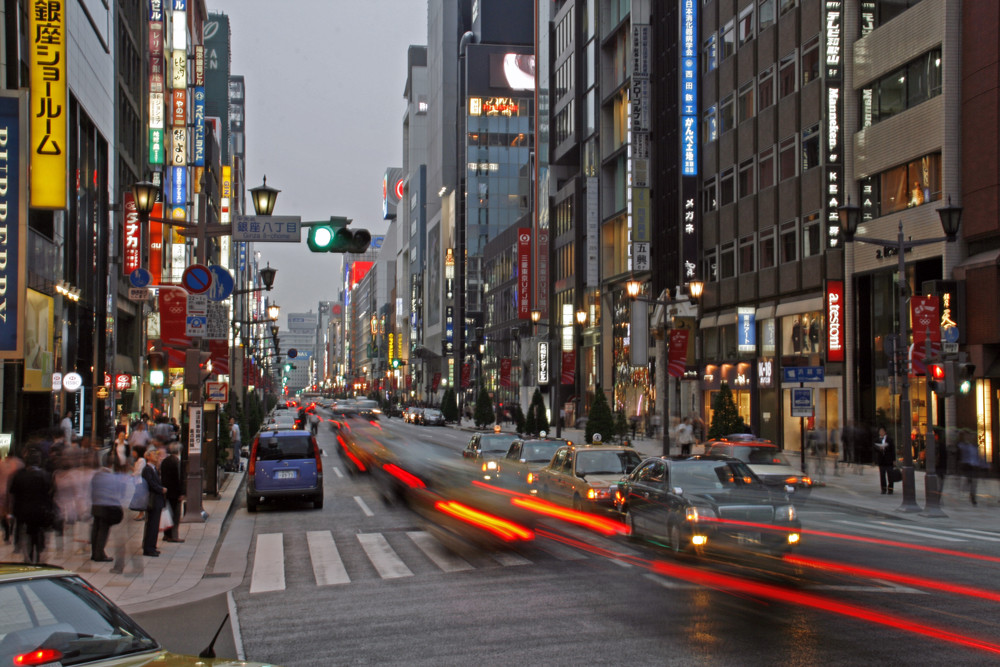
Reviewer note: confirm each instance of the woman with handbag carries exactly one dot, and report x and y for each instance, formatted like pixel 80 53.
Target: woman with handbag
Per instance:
pixel 885 457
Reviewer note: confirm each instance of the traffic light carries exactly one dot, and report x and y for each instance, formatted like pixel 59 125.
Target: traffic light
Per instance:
pixel 336 237
pixel 197 367
pixel 936 376
pixel 965 380
pixel 156 363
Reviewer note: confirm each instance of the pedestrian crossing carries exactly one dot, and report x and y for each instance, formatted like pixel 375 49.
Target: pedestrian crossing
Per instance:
pixel 917 533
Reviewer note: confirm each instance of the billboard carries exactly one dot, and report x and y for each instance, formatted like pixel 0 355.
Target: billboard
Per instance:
pixel 47 51
pixel 14 217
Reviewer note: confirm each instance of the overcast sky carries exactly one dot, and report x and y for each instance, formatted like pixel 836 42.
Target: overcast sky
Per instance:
pixel 324 110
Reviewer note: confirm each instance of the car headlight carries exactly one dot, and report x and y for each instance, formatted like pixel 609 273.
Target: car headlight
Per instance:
pixel 784 513
pixel 489 465
pixel 600 493
pixel 530 479
pixel 698 513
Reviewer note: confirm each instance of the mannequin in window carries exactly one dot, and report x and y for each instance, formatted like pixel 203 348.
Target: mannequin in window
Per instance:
pixel 814 333
pixel 916 194
pixel 797 337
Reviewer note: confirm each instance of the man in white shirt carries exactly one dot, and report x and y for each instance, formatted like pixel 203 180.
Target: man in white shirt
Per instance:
pixel 67 427
pixel 234 438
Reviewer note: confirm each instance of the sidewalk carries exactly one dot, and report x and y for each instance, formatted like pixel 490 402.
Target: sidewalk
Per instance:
pixel 184 572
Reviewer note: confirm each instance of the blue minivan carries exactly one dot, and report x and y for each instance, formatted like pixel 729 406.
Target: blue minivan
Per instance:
pixel 284 464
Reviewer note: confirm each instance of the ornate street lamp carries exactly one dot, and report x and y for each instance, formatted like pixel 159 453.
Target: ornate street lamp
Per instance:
pixel 263 197
pixel 144 194
pixel 273 311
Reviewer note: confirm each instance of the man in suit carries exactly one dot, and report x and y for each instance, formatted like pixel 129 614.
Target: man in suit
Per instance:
pixel 157 501
pixel 885 457
pixel 170 474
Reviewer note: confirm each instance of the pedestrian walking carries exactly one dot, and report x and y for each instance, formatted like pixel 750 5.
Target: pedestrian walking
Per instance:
pixel 170 476
pixel 9 465
pixel 107 494
pixel 237 442
pixel 138 463
pixel 31 505
pixel 885 457
pixel 685 436
pixel 157 501
pixel 816 451
pixel 67 427
pixel 970 462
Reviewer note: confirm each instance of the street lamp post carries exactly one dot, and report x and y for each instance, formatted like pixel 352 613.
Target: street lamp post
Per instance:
pixel 951 218
pixel 536 317
pixel 581 319
pixel 633 288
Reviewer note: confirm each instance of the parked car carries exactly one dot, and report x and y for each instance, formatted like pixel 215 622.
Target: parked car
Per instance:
pixel 585 476
pixel 412 414
pixel 519 468
pixel 706 503
pixel 765 460
pixel 431 417
pixel 284 464
pixel 52 616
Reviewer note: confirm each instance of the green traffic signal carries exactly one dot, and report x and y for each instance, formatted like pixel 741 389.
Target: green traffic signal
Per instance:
pixel 336 237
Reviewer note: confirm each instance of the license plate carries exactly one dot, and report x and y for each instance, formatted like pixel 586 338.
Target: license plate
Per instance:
pixel 285 474
pixel 749 538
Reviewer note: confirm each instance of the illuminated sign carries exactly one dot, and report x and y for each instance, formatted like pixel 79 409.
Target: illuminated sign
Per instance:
pixel 178 104
pixel 746 329
pixel 13 218
pixel 178 61
pixel 765 373
pixel 199 65
pixel 500 106
pixel 524 273
pixel 834 320
pixel 833 64
pixel 227 181
pixel 178 30
pixel 475 106
pixel 47 50
pixel 131 253
pixel 689 87
pixel 199 126
pixel 543 362
pixel 177 194
pixel 178 146
pixel 156 110
pixel 155 145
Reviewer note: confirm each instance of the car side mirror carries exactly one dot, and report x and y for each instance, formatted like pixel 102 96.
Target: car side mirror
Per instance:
pixel 678 491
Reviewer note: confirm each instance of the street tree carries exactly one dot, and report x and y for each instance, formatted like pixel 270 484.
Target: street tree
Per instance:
pixel 519 419
pixel 599 419
pixel 621 425
pixel 484 414
pixel 449 405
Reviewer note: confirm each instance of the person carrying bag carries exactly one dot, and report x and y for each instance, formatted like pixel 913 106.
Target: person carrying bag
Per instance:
pixel 140 496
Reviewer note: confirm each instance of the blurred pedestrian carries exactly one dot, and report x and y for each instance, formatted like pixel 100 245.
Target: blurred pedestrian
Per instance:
pixel 685 436
pixel 31 505
pixel 108 491
pixel 236 438
pixel 885 457
pixel 67 427
pixel 9 465
pixel 157 501
pixel 970 462
pixel 138 463
pixel 170 476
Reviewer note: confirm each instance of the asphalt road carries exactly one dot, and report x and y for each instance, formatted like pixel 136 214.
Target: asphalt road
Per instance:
pixel 867 590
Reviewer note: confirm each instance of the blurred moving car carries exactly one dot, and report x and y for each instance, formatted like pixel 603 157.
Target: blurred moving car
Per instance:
pixel 585 476
pixel 525 458
pixel 52 616
pixel 431 417
pixel 284 464
pixel 765 459
pixel 487 449
pixel 706 503
pixel 412 414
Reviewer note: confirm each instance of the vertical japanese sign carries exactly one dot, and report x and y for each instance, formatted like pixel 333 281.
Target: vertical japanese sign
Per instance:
pixel 13 219
pixel 746 329
pixel 568 374
pixel 156 83
pixel 523 273
pixel 834 320
pixel 47 34
pixel 689 87
pixel 833 77
pixel 678 353
pixel 543 362
pixel 199 126
pixel 156 244
pixel 638 166
pixel 199 65
pixel 131 237
pixel 593 234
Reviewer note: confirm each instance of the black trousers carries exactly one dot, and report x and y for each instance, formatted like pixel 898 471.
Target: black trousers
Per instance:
pixel 151 530
pixel 883 477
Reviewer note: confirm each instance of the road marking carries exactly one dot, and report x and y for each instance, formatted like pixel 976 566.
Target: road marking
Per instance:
pixel 901 531
pixel 980 534
pixel 268 564
pixel 437 552
pixel 560 552
pixel 337 472
pixel 507 558
pixel 385 560
pixel 328 568
pixel 363 506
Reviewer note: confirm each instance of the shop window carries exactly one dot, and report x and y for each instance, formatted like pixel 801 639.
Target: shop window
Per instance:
pixel 810 60
pixel 811 235
pixel 810 147
pixel 727 113
pixel 789 242
pixel 765 14
pixel 727 37
pixel 727 187
pixel 765 253
pixel 710 198
pixel 745 178
pixel 710 53
pixel 745 25
pixel 786 75
pixel 748 255
pixel 786 159
pixel 802 335
pixel 765 88
pixel 710 124
pixel 765 168
pixel 745 106
pixel 727 260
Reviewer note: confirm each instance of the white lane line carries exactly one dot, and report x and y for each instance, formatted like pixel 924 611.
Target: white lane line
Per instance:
pixel 902 531
pixel 363 506
pixel 234 623
pixel 268 564
pixel 385 560
pixel 980 534
pixel 444 559
pixel 337 472
pixel 328 568
pixel 931 532
pixel 508 558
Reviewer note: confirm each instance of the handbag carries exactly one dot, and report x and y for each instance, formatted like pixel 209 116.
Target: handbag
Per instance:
pixel 140 497
pixel 166 519
pixel 895 474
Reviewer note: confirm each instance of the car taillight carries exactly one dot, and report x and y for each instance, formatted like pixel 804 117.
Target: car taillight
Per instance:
pixel 38 657
pixel 319 457
pixel 253 459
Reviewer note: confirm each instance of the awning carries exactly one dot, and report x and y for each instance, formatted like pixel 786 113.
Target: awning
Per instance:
pixel 980 260
pixel 708 321
pixel 423 352
pixel 801 306
pixel 124 364
pixel 726 318
pixel 764 312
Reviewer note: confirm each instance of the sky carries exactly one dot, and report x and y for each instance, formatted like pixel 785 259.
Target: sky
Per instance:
pixel 324 112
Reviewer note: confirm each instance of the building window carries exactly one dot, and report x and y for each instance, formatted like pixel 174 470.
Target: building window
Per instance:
pixel 912 184
pixel 727 37
pixel 811 235
pixel 884 11
pixel 914 83
pixel 745 25
pixel 745 106
pixel 786 159
pixel 748 255
pixel 727 261
pixel 786 75
pixel 711 268
pixel 786 5
pixel 710 201
pixel 766 249
pixel 765 14
pixel 727 114
pixel 789 242
pixel 765 168
pixel 810 147
pixel 710 53
pixel 727 189
pixel 710 125
pixel 746 178
pixel 765 88
pixel 810 60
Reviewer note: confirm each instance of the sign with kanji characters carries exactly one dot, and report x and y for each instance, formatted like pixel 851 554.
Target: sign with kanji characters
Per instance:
pixel 132 235
pixel 218 321
pixel 267 228
pixel 49 109
pixel 524 273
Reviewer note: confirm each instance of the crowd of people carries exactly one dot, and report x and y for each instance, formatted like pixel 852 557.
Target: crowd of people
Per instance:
pixel 61 484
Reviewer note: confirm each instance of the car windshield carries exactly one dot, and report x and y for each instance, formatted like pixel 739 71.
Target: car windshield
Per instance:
pixel 285 447
pixel 761 455
pixel 432 413
pixel 497 443
pixel 702 476
pixel 540 451
pixel 67 615
pixel 606 462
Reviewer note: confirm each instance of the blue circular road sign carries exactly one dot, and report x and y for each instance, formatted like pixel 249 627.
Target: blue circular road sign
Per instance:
pixel 951 334
pixel 140 277
pixel 292 353
pixel 222 283
pixel 197 279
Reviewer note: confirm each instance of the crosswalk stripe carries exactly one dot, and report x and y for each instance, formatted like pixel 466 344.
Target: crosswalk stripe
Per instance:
pixel 328 568
pixel 364 507
pixel 902 531
pixel 338 472
pixel 980 534
pixel 933 532
pixel 508 559
pixel 444 559
pixel 268 564
pixel 381 555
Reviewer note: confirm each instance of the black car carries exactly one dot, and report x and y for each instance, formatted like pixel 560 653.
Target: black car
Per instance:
pixel 706 503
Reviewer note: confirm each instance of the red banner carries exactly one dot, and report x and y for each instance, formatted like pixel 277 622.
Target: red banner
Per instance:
pixel 156 245
pixel 132 236
pixel 925 316
pixel 220 356
pixel 918 353
pixel 466 373
pixel 524 273
pixel 568 375
pixel 409 381
pixel 677 356
pixel 435 382
pixel 834 320
pixel 173 318
pixel 505 372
